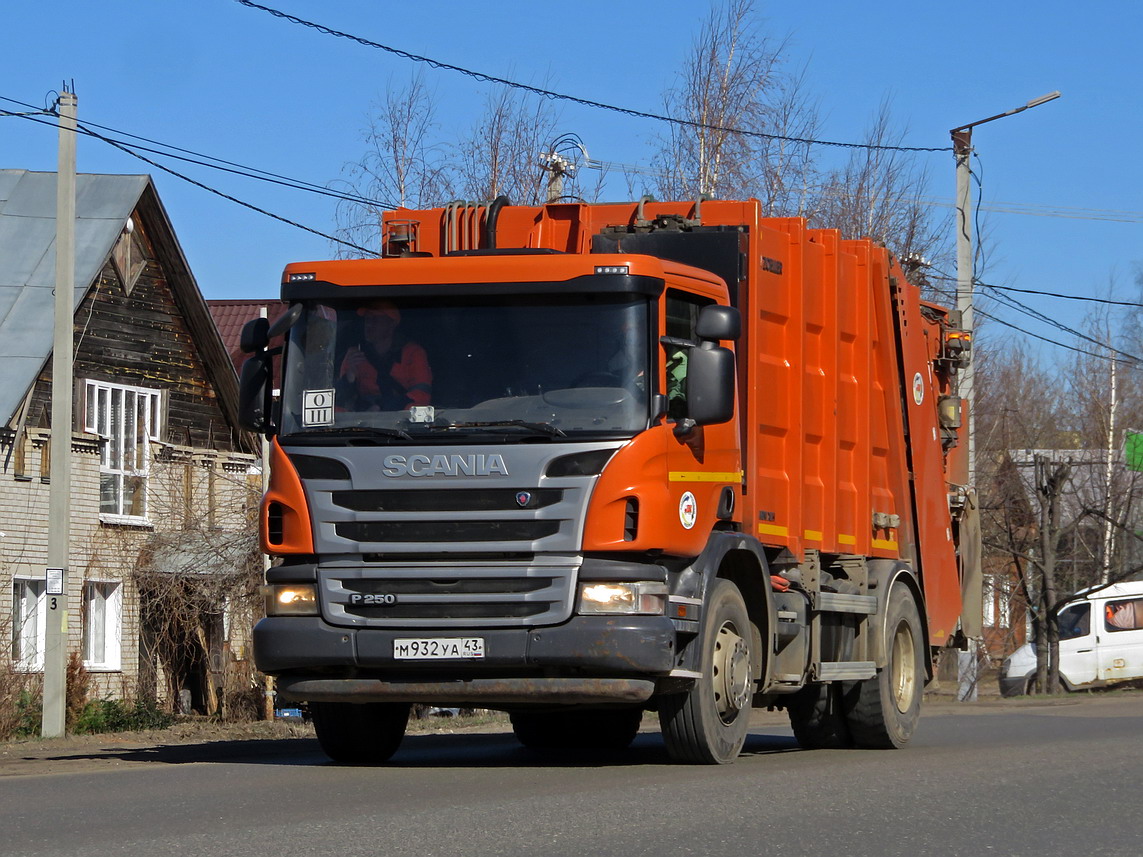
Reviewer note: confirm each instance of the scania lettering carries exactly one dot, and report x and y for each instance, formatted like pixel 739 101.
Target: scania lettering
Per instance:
pixel 445 465
pixel 583 462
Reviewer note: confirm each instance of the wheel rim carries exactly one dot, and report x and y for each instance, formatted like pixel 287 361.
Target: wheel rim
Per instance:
pixel 731 672
pixel 904 671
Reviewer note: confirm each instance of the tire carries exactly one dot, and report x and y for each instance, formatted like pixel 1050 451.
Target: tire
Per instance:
pixel 817 717
pixel 882 712
pixel 607 729
pixel 360 734
pixel 707 725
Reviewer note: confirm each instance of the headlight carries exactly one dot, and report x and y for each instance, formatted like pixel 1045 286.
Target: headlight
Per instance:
pixel 290 599
pixel 643 599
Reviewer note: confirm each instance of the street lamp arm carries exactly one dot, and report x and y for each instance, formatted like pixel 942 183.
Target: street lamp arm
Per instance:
pixel 1035 102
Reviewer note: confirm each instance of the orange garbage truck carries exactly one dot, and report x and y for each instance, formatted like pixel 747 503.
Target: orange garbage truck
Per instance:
pixel 577 462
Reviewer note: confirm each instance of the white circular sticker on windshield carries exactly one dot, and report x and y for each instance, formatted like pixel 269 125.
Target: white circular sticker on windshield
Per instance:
pixel 918 388
pixel 688 510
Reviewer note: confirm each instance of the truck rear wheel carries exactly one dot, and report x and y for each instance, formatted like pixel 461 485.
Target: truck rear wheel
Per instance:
pixel 817 718
pixel 608 729
pixel 882 712
pixel 707 725
pixel 360 734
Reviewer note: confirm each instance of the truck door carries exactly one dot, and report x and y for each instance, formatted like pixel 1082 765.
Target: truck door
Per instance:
pixel 1078 644
pixel 1120 650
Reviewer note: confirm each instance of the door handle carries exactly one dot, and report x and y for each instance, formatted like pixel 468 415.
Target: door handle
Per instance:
pixel 1081 651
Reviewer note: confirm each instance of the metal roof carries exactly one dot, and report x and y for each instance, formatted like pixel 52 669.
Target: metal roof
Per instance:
pixel 28 262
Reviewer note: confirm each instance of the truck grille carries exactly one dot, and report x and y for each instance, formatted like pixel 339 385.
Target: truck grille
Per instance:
pixel 444 596
pixel 456 500
pixel 446 531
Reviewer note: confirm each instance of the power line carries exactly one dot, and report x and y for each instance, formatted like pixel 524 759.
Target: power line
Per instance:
pixel 1074 348
pixel 948 295
pixel 81 128
pixel 557 96
pixel 204 160
pixel 1039 316
pixel 951 279
pixel 226 196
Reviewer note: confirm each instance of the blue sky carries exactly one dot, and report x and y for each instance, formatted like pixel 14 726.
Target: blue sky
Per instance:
pixel 233 82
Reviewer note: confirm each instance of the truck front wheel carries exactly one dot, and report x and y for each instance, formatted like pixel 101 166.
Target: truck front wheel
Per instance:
pixel 708 724
pixel 355 734
pixel 883 711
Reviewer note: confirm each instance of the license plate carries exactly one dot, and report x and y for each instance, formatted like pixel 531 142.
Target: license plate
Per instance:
pixel 438 648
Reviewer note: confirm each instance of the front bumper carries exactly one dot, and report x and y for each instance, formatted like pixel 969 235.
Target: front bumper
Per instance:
pixel 588 658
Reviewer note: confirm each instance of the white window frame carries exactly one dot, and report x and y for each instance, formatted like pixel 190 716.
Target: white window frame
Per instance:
pixel 29 624
pixel 126 453
pixel 102 625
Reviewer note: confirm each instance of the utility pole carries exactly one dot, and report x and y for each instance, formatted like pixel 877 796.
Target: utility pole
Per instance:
pixel 962 151
pixel 54 723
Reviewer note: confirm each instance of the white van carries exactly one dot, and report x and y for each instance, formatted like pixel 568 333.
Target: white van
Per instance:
pixel 1101 642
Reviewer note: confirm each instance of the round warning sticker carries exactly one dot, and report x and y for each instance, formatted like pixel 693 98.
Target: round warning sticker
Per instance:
pixel 918 388
pixel 688 510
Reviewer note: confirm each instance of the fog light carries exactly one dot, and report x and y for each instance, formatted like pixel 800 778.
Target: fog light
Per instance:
pixel 644 598
pixel 292 599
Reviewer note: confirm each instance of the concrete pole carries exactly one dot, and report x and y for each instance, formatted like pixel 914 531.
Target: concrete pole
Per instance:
pixel 962 149
pixel 967 677
pixel 53 723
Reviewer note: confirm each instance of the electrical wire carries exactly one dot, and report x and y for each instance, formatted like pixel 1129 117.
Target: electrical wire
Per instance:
pixel 204 160
pixel 557 96
pixel 951 296
pixel 1074 348
pixel 227 196
pixel 952 279
pixel 1021 307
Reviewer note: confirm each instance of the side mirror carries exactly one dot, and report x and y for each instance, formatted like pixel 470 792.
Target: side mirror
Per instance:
pixel 716 323
pixel 255 335
pixel 710 384
pixel 254 392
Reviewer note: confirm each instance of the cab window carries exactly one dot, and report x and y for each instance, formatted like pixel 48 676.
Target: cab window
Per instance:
pixel 682 318
pixel 1125 615
pixel 1075 621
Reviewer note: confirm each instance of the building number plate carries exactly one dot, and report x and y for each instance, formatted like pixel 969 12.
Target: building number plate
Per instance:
pixel 438 648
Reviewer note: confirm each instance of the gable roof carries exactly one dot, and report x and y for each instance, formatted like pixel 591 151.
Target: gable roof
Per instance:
pixel 28 262
pixel 27 272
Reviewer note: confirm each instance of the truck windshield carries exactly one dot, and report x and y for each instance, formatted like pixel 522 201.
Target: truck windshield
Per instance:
pixel 534 366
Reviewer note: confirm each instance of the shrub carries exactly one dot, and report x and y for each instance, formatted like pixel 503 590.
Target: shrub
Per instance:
pixel 116 715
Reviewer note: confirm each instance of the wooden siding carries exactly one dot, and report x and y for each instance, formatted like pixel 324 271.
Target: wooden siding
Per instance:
pixel 142 339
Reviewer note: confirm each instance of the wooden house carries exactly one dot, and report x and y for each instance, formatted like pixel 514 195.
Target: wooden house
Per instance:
pixel 163 565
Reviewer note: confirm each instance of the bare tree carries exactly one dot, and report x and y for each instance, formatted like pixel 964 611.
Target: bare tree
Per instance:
pixel 879 193
pixel 404 163
pixel 789 171
pixel 724 86
pixel 500 155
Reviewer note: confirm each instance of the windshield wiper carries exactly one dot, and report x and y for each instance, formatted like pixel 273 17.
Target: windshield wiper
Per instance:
pixel 543 428
pixel 375 431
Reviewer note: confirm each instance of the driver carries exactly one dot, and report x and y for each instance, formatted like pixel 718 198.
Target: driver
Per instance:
pixel 386 372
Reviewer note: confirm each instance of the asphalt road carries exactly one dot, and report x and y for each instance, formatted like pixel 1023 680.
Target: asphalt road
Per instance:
pixel 1036 778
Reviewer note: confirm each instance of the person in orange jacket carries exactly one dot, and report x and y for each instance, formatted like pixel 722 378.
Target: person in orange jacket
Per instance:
pixel 385 372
